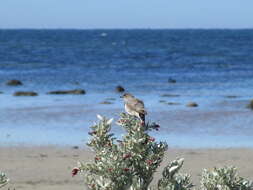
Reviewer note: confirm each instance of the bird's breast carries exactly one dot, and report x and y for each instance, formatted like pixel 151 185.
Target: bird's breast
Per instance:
pixel 130 111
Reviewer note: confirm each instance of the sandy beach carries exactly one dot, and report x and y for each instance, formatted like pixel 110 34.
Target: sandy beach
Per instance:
pixel 39 168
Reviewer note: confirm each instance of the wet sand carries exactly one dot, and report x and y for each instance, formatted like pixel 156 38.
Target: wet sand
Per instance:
pixel 39 168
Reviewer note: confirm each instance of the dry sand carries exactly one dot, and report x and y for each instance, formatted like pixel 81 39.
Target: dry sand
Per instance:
pixel 49 168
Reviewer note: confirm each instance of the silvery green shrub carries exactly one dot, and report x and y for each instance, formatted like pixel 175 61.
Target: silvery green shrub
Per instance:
pixel 172 180
pixel 3 179
pixel 129 163
pixel 224 179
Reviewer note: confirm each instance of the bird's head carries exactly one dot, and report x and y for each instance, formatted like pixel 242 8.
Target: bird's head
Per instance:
pixel 127 96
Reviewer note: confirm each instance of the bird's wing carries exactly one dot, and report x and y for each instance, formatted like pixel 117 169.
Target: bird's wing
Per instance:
pixel 138 106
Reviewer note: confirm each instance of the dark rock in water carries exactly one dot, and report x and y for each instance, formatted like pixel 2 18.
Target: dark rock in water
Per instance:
pixel 75 147
pixel 76 91
pixel 1 92
pixel 192 104
pixel 14 83
pixel 250 105
pixel 173 103
pixel 105 102
pixel 170 95
pixel 22 93
pixel 169 103
pixel 171 80
pixel 231 96
pixel 120 89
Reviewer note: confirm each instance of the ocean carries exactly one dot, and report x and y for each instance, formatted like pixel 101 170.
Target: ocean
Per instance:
pixel 211 67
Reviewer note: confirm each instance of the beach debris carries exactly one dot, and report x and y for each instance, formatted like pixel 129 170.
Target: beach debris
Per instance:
pixel 75 147
pixel 171 80
pixel 62 92
pixel 23 93
pixel 14 82
pixel 250 105
pixel 192 104
pixel 119 89
pixel 43 155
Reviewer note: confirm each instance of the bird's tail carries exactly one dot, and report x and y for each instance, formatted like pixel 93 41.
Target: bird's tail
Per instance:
pixel 142 117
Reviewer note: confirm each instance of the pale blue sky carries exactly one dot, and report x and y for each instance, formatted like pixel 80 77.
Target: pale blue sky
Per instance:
pixel 126 14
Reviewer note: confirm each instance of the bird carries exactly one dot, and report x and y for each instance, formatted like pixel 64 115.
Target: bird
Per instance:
pixel 134 106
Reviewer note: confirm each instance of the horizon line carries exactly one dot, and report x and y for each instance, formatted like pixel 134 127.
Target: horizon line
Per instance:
pixel 190 28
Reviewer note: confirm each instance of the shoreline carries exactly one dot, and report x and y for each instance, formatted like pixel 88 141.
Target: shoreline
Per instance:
pixel 49 167
pixel 216 125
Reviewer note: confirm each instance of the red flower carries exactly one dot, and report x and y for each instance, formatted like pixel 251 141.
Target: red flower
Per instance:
pixel 149 162
pixel 97 158
pixel 75 171
pixel 110 169
pixel 127 156
pixel 123 121
pixel 126 169
pixel 151 139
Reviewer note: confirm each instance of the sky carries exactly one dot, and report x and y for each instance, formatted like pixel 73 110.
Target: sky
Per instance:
pixel 93 14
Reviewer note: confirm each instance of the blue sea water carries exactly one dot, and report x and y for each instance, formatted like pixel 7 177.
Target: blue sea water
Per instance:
pixel 208 65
